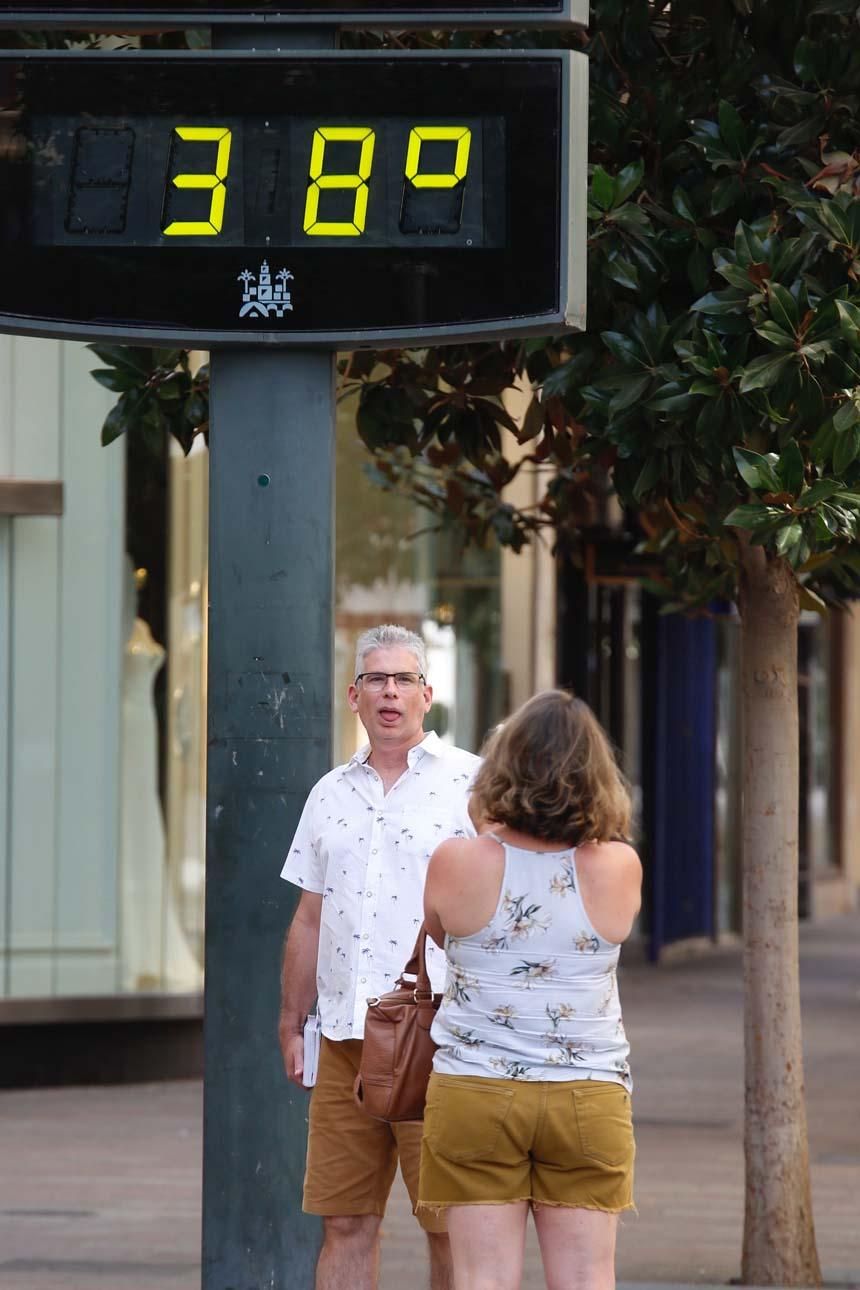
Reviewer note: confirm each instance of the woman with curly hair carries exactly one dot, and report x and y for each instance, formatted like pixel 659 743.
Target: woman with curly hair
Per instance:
pixel 529 1102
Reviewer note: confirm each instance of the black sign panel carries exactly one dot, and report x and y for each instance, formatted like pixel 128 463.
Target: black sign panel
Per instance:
pixel 287 198
pixel 356 13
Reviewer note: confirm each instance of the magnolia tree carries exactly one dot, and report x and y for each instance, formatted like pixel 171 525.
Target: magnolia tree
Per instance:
pixel 716 390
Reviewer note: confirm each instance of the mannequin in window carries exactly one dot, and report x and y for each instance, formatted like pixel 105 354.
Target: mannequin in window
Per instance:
pixel 154 950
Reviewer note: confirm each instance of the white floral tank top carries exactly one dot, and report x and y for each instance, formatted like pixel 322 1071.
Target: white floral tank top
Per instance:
pixel 533 995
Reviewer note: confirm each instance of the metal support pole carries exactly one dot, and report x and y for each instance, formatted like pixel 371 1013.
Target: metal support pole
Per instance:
pixel 269 705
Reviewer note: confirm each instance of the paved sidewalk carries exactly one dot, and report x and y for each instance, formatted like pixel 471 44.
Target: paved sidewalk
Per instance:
pixel 100 1187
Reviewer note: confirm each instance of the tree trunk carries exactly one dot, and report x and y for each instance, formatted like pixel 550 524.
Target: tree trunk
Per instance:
pixel 779 1235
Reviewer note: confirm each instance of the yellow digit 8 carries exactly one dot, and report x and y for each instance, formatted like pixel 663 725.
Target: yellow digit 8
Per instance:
pixel 213 182
pixel 315 227
pixel 459 134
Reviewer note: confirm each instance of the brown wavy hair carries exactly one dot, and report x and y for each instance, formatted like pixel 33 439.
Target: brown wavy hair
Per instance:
pixel 550 771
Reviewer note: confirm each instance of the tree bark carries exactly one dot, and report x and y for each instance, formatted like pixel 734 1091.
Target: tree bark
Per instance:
pixel 779 1234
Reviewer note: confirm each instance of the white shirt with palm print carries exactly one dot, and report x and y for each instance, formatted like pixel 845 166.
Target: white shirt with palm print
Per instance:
pixel 367 852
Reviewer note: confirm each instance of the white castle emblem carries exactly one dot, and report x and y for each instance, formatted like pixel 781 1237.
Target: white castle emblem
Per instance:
pixel 266 297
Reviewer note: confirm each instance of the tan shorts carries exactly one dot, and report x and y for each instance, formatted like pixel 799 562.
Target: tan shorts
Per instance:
pixel 492 1141
pixel 352 1159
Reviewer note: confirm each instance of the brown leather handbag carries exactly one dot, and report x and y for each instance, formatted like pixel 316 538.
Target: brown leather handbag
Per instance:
pixel 397 1054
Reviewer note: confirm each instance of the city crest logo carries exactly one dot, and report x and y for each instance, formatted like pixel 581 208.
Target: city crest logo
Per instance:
pixel 261 297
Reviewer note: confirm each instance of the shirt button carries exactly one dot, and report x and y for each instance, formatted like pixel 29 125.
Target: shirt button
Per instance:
pixel 363 979
pixel 374 851
pixel 366 936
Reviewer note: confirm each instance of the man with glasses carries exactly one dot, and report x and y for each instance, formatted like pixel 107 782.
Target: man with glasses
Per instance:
pixel 359 855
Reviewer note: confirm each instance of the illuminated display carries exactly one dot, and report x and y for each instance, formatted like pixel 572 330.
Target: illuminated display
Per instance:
pixel 150 181
pixel 336 197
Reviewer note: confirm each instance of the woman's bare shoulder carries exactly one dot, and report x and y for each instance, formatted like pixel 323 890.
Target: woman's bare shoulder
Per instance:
pixel 454 852
pixel 612 859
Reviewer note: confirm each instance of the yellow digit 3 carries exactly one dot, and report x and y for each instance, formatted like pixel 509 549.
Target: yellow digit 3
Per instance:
pixel 212 182
pixel 459 134
pixel 319 180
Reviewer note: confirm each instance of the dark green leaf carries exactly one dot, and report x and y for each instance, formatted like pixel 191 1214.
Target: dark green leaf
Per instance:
pixel 629 392
pixel 730 301
pixel 136 360
pixel 670 402
pixel 808 62
pixel 602 188
pixel 114 424
pixel 788 537
pixel 749 247
pixel 823 443
pixel 169 358
pixel 774 335
pixel 783 306
pixel 756 471
pixel 846 416
pixel 532 423
pixel 804 132
pixel 789 468
pixel 196 410
pixel 116 379
pixel 726 192
pixel 849 319
pixel 732 129
pixel 846 450
pixel 752 515
pixel 622 348
pixel 620 270
pixel 648 477
pixel 763 373
pixel 835 218
pixel 627 181
pixel 697 270
pixel 681 205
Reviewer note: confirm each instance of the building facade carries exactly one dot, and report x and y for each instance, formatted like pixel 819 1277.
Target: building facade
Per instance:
pixel 103 593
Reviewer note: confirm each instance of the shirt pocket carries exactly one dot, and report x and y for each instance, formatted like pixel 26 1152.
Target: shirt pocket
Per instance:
pixel 464 1118
pixel 419 831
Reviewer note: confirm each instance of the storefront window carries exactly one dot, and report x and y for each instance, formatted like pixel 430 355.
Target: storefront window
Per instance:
pixel 102 875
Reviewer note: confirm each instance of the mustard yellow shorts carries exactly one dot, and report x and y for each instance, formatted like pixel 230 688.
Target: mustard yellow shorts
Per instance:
pixel 493 1141
pixel 352 1159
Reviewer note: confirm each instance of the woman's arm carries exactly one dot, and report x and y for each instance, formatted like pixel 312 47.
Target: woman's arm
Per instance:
pixel 610 882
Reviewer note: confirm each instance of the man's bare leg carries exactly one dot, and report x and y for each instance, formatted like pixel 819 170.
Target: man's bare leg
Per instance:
pixel 441 1267
pixel 349 1259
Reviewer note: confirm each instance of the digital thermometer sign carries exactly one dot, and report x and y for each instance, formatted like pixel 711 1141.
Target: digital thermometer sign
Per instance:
pixel 255 181
pixel 333 198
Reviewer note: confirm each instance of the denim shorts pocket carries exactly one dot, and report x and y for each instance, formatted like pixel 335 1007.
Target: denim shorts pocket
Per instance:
pixel 465 1117
pixel 604 1121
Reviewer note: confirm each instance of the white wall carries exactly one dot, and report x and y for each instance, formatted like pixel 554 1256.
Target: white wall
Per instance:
pixel 60 623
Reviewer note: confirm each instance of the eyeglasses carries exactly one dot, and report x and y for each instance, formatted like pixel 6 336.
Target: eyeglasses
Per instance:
pixel 378 680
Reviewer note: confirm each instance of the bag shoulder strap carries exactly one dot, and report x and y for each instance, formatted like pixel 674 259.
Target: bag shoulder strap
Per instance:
pixel 417 965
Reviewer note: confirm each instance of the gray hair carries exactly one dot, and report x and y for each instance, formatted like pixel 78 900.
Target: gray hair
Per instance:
pixel 383 637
